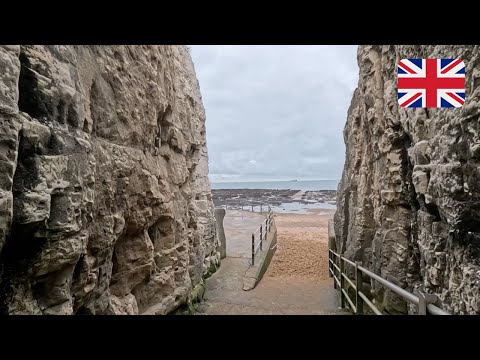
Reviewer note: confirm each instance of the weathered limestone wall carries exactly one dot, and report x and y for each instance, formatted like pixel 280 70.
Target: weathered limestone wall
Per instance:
pixel 105 203
pixel 409 200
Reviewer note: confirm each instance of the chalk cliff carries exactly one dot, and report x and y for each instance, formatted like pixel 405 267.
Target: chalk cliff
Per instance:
pixel 105 203
pixel 409 200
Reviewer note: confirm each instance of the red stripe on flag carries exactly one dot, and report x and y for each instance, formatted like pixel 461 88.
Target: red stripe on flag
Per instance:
pixel 437 83
pixel 411 100
pixel 458 98
pixel 406 68
pixel 431 76
pixel 451 66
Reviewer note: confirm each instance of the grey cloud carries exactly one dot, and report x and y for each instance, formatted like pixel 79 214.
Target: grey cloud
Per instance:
pixel 276 112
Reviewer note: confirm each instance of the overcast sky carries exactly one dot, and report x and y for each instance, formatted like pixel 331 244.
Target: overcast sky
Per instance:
pixel 275 112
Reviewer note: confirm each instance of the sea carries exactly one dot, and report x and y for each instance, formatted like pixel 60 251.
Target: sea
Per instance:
pixel 302 185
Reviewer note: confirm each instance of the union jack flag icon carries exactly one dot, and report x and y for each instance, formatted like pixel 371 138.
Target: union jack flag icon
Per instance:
pixel 431 83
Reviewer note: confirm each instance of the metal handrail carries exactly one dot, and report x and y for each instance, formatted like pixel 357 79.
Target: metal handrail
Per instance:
pixel 246 204
pixel 425 302
pixel 395 288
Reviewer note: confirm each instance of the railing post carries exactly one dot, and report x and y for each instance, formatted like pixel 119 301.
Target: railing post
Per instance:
pixel 252 205
pixel 342 297
pixel 329 265
pixel 334 257
pixel 261 236
pixel 334 269
pixel 424 300
pixel 358 288
pixel 253 249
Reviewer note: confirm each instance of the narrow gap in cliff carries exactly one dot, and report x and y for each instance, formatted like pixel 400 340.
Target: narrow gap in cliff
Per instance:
pixel 163 123
pixel 22 246
pixel 118 259
pixel 85 126
pixel 97 103
pixel 83 311
pixel 79 274
pixel 72 116
pixel 55 146
pixel 143 301
pixel 162 132
pixel 114 262
pixel 29 96
pixel 165 117
pixel 407 167
pixel 432 209
pixel 415 202
pixel 62 111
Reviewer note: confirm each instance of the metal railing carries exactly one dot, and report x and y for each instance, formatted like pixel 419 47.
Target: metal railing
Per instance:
pixel 337 269
pixel 263 230
pixel 246 205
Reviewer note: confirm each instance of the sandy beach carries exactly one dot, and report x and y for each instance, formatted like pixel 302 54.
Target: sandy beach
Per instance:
pixel 302 246
pixel 302 222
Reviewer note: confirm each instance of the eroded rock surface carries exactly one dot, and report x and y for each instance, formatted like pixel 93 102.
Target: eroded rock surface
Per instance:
pixel 105 204
pixel 409 200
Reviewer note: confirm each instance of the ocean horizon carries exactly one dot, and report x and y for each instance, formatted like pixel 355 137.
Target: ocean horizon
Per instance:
pixel 301 185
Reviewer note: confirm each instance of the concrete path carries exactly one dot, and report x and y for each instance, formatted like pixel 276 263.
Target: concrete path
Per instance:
pixel 273 295
pixel 239 226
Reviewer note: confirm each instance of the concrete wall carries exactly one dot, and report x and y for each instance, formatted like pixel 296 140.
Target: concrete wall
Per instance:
pixel 272 247
pixel 219 216
pixel 255 273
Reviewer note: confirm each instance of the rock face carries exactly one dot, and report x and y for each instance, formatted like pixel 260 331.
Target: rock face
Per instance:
pixel 409 199
pixel 105 203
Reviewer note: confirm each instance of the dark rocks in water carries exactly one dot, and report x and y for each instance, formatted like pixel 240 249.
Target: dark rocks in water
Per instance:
pixel 235 198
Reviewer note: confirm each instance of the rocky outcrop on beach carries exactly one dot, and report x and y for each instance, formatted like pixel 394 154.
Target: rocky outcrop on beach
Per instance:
pixel 408 204
pixel 105 203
